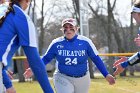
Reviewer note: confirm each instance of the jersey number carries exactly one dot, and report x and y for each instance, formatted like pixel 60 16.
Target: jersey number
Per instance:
pixel 69 61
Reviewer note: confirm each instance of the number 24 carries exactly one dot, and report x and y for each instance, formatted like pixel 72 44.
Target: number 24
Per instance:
pixel 69 61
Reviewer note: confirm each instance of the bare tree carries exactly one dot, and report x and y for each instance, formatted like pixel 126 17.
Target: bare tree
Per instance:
pixel 42 23
pixel 76 10
pixel 110 26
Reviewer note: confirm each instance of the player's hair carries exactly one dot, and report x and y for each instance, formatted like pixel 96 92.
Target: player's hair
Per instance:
pixel 15 1
pixel 137 4
pixel 9 9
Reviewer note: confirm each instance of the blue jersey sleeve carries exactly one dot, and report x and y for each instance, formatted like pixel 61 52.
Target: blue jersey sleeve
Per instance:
pixel 38 68
pixel 124 64
pixel 93 54
pixel 6 80
pixel 25 28
pixel 100 65
pixel 50 54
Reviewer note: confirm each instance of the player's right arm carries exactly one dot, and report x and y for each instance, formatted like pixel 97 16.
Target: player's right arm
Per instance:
pixel 50 53
pixel 121 64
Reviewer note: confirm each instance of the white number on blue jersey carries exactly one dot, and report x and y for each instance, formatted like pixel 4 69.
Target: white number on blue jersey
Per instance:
pixel 69 61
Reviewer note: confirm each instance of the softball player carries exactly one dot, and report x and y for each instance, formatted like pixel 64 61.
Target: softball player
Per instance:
pixel 122 63
pixel 71 52
pixel 17 29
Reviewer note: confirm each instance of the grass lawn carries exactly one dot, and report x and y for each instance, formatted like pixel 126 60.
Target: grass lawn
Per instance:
pixel 98 85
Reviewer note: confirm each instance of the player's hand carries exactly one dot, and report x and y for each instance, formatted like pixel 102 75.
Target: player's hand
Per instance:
pixel 122 59
pixel 110 79
pixel 10 90
pixel 10 74
pixel 119 69
pixel 28 73
pixel 137 40
pixel 117 65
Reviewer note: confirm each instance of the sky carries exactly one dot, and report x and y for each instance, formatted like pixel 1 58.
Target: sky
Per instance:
pixel 48 6
pixel 123 8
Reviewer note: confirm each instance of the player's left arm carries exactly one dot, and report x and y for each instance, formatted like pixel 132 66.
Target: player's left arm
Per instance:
pixel 100 65
pixel 93 54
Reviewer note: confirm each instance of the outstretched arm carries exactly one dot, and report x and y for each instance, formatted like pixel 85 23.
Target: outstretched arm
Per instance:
pixel 100 65
pixel 38 68
pixel 93 54
pixel 122 63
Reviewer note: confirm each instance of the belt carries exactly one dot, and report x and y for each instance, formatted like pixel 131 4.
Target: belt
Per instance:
pixel 74 75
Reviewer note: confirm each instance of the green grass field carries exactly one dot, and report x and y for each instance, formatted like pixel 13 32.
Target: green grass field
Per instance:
pixel 98 85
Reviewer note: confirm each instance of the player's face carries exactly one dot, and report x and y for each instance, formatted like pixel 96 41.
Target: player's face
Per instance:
pixel 69 31
pixel 136 16
pixel 24 4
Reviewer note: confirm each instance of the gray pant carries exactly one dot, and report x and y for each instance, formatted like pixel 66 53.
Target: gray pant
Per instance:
pixel 1 79
pixel 66 84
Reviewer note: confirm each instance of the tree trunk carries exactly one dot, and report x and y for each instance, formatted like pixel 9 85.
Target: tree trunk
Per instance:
pixel 20 69
pixel 109 36
pixel 41 35
pixel 91 69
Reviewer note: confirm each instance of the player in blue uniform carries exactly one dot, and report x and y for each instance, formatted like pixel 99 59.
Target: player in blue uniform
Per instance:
pixel 17 29
pixel 71 52
pixel 122 63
